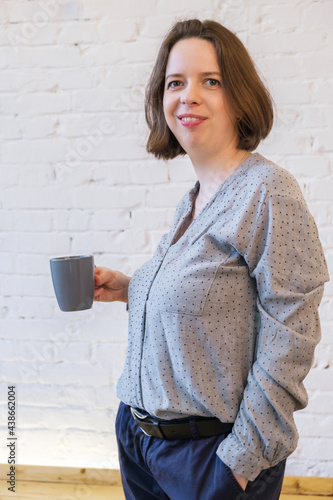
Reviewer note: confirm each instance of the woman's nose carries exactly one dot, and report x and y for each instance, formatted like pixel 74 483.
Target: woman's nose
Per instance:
pixel 190 96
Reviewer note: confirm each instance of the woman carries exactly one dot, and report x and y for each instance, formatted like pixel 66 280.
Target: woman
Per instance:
pixel 223 320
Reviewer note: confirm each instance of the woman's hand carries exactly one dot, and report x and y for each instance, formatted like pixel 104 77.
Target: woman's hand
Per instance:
pixel 240 479
pixel 110 285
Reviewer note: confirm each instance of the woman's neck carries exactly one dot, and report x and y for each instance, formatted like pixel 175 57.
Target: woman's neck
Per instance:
pixel 211 175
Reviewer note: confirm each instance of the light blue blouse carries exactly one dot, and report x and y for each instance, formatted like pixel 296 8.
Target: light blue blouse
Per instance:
pixel 224 321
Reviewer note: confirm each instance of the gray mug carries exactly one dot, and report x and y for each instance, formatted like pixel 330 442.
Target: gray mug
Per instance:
pixel 74 281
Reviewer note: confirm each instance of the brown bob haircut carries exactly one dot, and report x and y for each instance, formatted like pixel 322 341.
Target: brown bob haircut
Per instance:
pixel 247 95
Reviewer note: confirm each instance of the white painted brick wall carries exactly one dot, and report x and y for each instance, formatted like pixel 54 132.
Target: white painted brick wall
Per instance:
pixel 75 178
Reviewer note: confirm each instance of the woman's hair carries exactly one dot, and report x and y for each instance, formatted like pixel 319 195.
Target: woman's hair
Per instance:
pixel 247 95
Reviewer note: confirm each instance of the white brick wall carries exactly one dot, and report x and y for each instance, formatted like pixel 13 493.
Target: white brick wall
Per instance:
pixel 75 178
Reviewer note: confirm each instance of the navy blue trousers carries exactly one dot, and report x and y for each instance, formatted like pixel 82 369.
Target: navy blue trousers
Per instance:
pixel 183 469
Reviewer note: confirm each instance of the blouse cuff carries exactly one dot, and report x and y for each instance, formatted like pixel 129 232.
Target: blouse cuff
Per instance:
pixel 240 459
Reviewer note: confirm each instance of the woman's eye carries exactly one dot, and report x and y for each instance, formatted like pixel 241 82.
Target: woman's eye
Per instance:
pixel 212 82
pixel 174 84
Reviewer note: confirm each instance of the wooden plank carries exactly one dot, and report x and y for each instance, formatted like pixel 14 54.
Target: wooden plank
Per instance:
pixel 308 486
pixel 75 475
pixel 315 486
pixel 29 490
pixel 306 497
pixel 33 490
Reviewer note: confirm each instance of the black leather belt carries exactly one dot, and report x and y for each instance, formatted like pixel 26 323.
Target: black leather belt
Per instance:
pixel 184 428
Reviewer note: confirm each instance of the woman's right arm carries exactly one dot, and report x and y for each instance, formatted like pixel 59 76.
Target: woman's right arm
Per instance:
pixel 110 285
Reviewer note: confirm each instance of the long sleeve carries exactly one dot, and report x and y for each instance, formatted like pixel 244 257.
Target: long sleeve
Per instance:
pixel 284 256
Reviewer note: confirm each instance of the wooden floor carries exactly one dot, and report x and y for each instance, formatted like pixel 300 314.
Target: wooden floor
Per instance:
pixel 65 483
pixel 52 491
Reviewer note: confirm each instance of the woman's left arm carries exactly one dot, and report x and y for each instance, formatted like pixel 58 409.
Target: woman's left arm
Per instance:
pixel 285 257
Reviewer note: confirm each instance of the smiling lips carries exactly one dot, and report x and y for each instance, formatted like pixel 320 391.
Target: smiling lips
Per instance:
pixel 189 120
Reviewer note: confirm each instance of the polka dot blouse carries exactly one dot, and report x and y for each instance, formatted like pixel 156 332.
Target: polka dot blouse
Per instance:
pixel 223 320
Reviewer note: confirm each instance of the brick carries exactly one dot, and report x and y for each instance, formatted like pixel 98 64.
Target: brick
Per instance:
pixel 100 9
pixel 273 17
pixel 317 16
pixel 32 220
pixel 56 351
pixel 117 242
pixel 94 100
pixel 286 92
pixel 9 177
pixel 320 448
pixel 110 220
pixel 31 80
pixel 37 198
pixel 29 286
pixel 9 349
pixel 323 140
pixel 155 25
pixel 109 197
pixel 322 92
pixel 277 66
pixel 38 127
pixel 7 262
pixel 307 467
pixel 122 30
pixel 115 148
pixel 35 418
pixel 36 328
pixel 181 170
pixel 33 175
pixel 75 78
pixel 41 12
pixel 138 51
pixel 32 264
pixel 74 373
pixel 108 329
pixel 321 189
pixel 72 220
pixel 112 173
pixel 40 395
pixel 41 56
pixel 309 165
pixel 34 150
pixel 82 123
pixel 30 103
pixel 319 117
pixel 291 42
pixel 152 218
pixel 166 196
pixel 31 33
pixel 78 32
pixel 286 143
pixel 10 127
pixel 321 212
pixel 31 242
pixel 154 172
pixel 7 220
pixel 307 424
pixel 18 372
pixel 314 65
pixel 103 55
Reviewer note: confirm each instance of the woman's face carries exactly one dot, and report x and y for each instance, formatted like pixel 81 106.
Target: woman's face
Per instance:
pixel 195 105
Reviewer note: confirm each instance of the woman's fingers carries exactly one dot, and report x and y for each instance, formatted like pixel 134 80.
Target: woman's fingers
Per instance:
pixel 110 285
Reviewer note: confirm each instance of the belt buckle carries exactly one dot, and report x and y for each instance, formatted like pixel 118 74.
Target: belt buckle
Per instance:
pixel 137 414
pixel 141 421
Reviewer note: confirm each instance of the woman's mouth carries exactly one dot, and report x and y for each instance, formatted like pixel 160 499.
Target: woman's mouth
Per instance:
pixel 191 120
